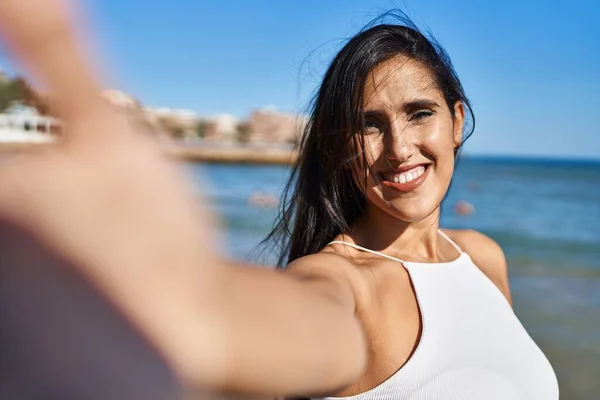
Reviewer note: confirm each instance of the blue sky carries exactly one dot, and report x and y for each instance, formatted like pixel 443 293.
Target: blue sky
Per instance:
pixel 531 68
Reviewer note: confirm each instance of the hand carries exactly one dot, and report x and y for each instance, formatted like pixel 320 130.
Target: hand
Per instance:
pixel 107 199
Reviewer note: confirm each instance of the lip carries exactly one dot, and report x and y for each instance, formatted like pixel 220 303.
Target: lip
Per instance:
pixel 405 168
pixel 408 186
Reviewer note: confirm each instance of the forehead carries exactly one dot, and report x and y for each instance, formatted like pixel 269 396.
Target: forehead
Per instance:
pixel 399 80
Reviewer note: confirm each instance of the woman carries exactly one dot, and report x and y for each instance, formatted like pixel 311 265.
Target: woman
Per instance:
pixel 376 162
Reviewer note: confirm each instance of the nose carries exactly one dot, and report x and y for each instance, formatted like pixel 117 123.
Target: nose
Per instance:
pixel 398 144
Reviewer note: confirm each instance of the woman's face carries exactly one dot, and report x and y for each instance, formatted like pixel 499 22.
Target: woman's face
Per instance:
pixel 410 138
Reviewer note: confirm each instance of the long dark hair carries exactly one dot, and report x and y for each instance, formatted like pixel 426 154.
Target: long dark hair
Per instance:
pixel 322 199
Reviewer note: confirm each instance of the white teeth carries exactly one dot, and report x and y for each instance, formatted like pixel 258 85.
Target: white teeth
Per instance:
pixel 406 176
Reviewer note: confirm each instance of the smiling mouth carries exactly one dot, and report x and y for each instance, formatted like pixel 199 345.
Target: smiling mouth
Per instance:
pixel 406 180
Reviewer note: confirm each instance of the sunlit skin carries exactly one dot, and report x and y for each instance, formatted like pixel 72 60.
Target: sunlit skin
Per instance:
pixel 408 123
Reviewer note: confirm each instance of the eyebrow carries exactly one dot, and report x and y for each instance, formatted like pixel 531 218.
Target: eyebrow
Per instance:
pixel 410 106
pixel 418 104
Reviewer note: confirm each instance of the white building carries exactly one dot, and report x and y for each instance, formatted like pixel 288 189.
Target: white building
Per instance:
pixel 21 124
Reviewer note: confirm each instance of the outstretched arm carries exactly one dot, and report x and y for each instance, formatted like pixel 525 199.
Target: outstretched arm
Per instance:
pixel 107 200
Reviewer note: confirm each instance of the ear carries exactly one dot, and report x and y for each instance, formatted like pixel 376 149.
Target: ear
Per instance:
pixel 459 121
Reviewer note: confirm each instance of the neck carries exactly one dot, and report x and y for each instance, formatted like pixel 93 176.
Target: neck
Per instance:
pixel 380 231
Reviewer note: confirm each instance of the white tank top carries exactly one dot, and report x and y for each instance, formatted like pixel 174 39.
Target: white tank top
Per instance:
pixel 472 345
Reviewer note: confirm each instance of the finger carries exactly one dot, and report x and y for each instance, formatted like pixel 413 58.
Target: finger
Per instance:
pixel 41 33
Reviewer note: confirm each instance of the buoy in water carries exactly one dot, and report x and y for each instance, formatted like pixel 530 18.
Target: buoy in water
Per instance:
pixel 463 208
pixel 263 200
pixel 474 185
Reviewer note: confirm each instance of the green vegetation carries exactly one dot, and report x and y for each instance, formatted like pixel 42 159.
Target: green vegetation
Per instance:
pixel 11 92
pixel 243 132
pixel 200 129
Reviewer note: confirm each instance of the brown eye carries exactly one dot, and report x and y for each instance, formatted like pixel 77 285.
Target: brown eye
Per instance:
pixel 421 116
pixel 372 126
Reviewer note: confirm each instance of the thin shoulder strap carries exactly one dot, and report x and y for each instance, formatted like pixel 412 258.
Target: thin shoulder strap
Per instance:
pixel 442 234
pixel 357 247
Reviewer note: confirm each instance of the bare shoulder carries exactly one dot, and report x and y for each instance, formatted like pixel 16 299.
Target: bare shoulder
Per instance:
pixel 486 254
pixel 329 273
pixel 324 262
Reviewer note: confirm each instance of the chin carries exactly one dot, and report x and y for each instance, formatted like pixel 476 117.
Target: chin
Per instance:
pixel 411 211
pixel 412 216
pixel 408 207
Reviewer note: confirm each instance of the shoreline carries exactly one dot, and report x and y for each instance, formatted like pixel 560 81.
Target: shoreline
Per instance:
pixel 236 154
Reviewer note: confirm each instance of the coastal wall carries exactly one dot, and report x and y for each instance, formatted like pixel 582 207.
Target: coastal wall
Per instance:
pixel 194 153
pixel 233 155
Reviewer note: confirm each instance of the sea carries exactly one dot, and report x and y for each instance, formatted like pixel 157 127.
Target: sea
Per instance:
pixel 544 213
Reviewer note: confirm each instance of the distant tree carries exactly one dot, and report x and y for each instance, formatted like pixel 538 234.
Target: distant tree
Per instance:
pixel 243 132
pixel 200 129
pixel 178 132
pixel 10 92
